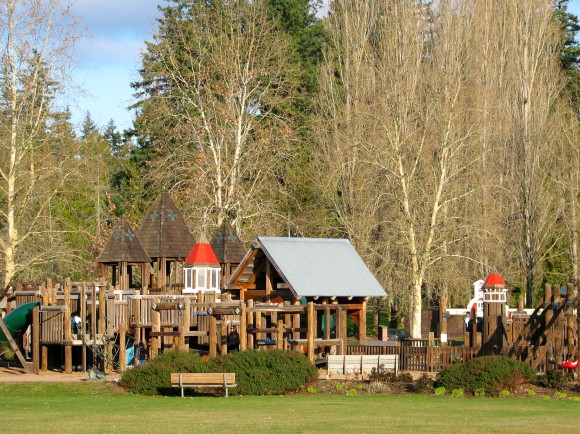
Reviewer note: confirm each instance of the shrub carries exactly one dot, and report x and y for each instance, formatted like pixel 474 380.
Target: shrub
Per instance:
pixel 457 392
pixel 440 391
pixel 574 398
pixel 559 394
pixel 504 393
pixel 377 387
pixel 405 377
pixel 492 373
pixel 553 379
pixel 154 377
pixel 531 393
pixel 479 392
pixel 423 384
pixel 271 372
pixel 382 375
pixel 339 387
pixel 312 390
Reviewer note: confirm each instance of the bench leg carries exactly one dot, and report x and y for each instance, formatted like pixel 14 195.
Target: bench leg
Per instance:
pixel 182 393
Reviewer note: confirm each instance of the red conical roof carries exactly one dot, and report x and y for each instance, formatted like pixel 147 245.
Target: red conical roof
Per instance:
pixel 494 281
pixel 201 253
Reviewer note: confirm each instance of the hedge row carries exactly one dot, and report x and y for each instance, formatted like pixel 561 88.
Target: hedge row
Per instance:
pixel 271 372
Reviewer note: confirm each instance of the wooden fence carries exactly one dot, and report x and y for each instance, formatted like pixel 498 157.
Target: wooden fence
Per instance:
pixel 415 358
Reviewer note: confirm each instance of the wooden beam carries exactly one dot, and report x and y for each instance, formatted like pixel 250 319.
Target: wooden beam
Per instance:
pixel 15 347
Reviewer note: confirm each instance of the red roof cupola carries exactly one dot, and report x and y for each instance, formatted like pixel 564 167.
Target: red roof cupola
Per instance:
pixel 494 281
pixel 201 270
pixel 202 253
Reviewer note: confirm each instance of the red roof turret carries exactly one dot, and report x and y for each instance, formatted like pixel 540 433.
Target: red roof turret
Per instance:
pixel 494 281
pixel 202 254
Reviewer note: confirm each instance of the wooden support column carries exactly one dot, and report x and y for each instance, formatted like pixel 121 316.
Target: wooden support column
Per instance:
pixel 250 323
pixel 67 328
pixel 571 339
pixel 311 333
pixel 344 329
pixel 243 328
pixel 156 327
pixel 326 322
pixel 83 331
pixel 223 335
pixel 44 348
pixel 36 340
pixel 135 322
pixel 122 346
pixel 269 279
pixel 296 322
pixel 102 308
pixel 362 332
pixel 186 324
pixel 212 336
pixel 280 337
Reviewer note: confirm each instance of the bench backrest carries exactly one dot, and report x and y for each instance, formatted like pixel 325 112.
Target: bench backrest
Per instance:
pixel 204 379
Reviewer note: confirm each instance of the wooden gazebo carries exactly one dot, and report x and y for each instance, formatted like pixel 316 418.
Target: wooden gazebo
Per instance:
pixel 301 270
pixel 228 249
pixel 121 255
pixel 167 241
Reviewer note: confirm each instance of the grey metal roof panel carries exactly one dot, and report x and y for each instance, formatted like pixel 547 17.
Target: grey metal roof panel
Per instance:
pixel 323 267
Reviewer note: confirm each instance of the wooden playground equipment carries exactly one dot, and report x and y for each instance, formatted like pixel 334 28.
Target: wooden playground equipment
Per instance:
pixel 159 288
pixel 201 322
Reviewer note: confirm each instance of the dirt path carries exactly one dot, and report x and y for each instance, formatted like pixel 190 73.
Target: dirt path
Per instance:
pixel 18 375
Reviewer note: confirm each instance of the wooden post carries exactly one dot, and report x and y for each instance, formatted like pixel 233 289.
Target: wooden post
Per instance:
pixel 311 333
pixel 35 340
pixel 67 328
pixel 344 329
pixel 102 308
pixel 250 323
pixel 280 337
pixel 326 322
pixel 83 315
pixel 122 346
pixel 44 348
pixel 363 323
pixel 466 339
pixel 223 335
pixel 186 324
pixel 570 321
pixel 269 279
pixel 212 336
pixel 135 322
pixel 155 327
pixel 243 328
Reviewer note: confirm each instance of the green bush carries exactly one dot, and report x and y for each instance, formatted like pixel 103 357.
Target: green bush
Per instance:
pixel 271 372
pixel 553 379
pixel 490 373
pixel 154 377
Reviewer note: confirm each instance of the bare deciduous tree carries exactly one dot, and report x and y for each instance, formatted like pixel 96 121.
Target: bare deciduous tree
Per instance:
pixel 36 38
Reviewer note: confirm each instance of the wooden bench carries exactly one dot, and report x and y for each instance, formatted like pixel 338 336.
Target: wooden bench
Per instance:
pixel 204 380
pixel 360 364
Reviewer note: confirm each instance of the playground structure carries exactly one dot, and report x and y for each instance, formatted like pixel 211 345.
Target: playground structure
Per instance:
pixel 160 288
pixel 200 322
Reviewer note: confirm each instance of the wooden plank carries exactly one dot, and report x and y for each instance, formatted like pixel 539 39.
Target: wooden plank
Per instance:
pixel 209 378
pixel 15 347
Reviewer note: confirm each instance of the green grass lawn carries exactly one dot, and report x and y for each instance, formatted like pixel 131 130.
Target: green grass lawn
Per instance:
pixel 96 407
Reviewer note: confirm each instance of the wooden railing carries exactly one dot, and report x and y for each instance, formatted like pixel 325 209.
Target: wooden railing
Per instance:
pixel 419 358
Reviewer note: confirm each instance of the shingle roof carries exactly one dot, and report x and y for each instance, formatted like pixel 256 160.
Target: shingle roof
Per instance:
pixel 227 246
pixel 123 246
pixel 323 267
pixel 163 231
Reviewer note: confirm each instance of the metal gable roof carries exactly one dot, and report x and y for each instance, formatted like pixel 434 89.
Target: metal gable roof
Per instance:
pixel 323 267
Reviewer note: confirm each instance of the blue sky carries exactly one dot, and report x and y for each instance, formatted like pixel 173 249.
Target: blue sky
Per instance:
pixel 109 58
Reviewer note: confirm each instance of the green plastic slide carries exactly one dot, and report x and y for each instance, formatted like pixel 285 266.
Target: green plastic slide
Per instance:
pixel 18 320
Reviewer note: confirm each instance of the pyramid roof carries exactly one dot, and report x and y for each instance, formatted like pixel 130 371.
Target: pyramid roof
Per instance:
pixel 163 232
pixel 202 254
pixel 227 246
pixel 123 246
